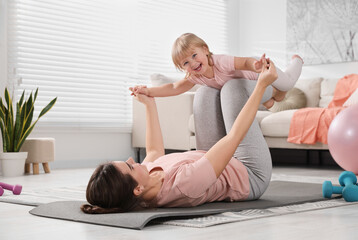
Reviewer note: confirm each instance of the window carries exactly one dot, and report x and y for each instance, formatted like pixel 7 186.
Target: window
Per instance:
pixel 88 53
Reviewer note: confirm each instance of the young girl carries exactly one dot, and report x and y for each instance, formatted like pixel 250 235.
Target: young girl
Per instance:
pixel 192 55
pixel 195 177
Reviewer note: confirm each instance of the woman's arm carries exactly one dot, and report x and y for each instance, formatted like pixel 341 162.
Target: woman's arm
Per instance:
pixel 154 139
pixel 220 154
pixel 166 90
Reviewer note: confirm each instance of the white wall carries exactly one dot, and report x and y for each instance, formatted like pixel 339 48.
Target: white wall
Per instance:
pixel 233 7
pixel 262 25
pixel 77 147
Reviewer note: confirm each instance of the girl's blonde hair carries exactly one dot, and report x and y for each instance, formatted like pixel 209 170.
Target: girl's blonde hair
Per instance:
pixel 184 44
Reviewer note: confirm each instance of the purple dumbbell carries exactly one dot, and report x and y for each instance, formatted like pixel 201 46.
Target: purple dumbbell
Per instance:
pixel 1 191
pixel 16 190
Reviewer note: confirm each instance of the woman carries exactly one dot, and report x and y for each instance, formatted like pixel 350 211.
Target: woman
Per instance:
pixel 225 171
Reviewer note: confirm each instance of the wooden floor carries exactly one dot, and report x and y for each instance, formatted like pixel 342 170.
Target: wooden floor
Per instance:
pixel 334 223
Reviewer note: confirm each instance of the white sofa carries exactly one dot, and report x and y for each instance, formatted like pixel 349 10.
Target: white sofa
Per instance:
pixel 177 122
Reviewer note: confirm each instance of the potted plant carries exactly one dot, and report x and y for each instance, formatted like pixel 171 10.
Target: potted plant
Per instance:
pixel 15 128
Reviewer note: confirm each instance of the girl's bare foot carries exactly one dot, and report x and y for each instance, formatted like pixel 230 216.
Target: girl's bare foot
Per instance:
pixel 296 56
pixel 278 95
pixel 268 104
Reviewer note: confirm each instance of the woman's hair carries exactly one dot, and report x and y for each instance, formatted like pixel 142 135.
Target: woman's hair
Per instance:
pixel 109 190
pixel 184 44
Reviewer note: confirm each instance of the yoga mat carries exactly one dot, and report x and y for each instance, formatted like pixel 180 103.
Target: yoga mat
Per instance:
pixel 279 193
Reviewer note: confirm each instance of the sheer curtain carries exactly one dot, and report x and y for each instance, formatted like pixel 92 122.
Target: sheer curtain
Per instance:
pixel 88 52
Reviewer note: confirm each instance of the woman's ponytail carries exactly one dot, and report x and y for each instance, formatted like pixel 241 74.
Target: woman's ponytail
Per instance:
pixel 90 209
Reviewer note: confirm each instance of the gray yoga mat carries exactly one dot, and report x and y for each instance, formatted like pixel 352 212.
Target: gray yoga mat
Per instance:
pixel 279 193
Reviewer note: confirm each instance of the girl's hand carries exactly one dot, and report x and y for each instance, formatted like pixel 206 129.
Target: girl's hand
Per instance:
pixel 140 89
pixel 268 73
pixel 259 63
pixel 144 99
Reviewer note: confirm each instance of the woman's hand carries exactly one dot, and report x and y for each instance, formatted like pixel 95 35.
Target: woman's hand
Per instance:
pixel 268 73
pixel 139 89
pixel 259 63
pixel 144 99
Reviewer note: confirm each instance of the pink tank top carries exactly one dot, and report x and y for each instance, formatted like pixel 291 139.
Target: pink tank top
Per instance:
pixel 190 180
pixel 224 70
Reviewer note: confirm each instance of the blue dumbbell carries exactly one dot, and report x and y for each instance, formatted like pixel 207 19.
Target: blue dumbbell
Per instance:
pixel 328 189
pixel 350 191
pixel 347 178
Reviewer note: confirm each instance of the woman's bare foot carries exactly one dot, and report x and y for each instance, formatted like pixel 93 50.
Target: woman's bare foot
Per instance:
pixel 278 95
pixel 268 104
pixel 297 56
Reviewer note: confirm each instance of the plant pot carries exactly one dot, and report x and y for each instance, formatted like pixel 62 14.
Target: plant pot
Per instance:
pixel 12 163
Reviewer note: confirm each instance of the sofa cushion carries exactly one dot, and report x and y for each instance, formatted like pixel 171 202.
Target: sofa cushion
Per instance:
pixel 328 86
pixel 277 124
pixel 294 99
pixel 311 87
pixel 261 115
pixel 353 99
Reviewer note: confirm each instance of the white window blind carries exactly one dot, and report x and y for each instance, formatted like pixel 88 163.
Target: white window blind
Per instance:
pixel 88 52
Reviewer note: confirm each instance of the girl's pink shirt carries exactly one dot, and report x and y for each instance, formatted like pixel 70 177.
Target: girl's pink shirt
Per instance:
pixel 224 70
pixel 190 180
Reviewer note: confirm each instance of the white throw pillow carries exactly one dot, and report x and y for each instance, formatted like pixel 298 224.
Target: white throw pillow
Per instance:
pixel 158 79
pixel 312 88
pixel 294 99
pixel 353 99
pixel 328 85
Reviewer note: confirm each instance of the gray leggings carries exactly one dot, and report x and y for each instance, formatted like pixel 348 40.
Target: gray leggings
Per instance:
pixel 215 112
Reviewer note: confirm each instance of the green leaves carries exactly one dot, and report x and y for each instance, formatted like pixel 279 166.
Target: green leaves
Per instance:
pixel 15 129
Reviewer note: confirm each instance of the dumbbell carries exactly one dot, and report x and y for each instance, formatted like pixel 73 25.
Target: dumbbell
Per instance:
pixel 348 180
pixel 1 191
pixel 328 189
pixel 16 190
pixel 348 189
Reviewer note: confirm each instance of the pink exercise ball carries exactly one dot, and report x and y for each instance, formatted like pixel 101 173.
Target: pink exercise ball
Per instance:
pixel 343 139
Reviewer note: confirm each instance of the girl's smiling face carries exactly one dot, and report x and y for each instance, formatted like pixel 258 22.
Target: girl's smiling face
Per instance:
pixel 196 62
